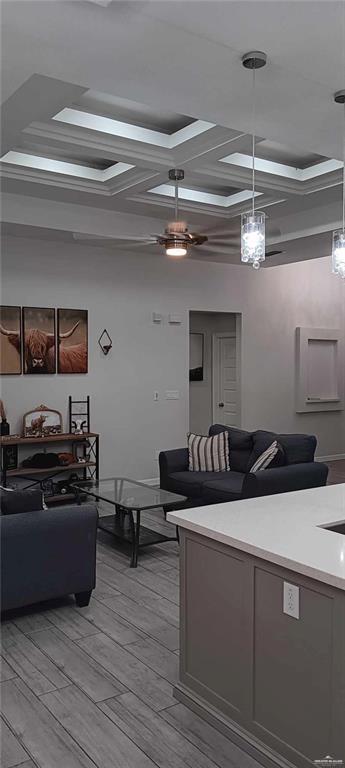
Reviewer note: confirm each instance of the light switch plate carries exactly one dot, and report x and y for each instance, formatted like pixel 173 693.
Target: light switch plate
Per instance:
pixel 291 600
pixel 175 319
pixel 172 394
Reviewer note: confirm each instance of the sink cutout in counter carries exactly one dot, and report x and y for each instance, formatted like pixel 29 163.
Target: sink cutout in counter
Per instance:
pixel 336 528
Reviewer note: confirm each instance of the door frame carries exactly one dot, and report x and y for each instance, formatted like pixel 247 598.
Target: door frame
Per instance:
pixel 215 360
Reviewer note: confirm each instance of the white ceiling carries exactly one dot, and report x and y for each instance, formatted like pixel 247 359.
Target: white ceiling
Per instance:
pixel 162 66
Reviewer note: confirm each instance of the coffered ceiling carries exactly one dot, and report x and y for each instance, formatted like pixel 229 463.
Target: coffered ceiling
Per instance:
pixel 102 99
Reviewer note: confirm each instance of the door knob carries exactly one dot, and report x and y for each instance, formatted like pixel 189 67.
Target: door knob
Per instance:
pixel 220 405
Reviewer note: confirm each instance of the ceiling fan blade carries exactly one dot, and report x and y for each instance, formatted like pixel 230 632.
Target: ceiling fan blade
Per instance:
pixel 88 237
pixel 139 244
pixel 228 228
pixel 230 240
pixel 233 227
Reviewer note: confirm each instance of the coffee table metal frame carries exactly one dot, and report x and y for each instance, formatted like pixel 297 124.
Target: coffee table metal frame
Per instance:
pixel 138 536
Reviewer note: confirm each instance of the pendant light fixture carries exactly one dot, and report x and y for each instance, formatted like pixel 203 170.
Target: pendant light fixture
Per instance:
pixel 175 247
pixel 338 244
pixel 253 222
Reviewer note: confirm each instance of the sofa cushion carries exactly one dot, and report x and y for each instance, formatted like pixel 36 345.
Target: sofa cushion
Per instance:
pixel 208 454
pixel 191 483
pixel 227 487
pixel 297 448
pixel 240 446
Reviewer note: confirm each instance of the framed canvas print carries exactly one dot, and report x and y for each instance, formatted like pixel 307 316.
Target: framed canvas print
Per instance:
pixel 42 422
pixel 196 357
pixel 72 325
pixel 39 340
pixel 10 341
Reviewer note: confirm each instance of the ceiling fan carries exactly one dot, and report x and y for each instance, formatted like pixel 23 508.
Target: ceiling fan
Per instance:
pixel 177 240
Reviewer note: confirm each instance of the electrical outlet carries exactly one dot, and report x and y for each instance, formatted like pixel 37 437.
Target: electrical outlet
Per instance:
pixel 291 600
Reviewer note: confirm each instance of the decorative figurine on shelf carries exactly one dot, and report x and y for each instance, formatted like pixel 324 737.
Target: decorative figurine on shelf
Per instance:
pixel 78 426
pixel 4 426
pixel 77 409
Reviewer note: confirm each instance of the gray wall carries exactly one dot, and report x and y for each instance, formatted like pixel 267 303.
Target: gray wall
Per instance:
pixel 121 292
pixel 200 392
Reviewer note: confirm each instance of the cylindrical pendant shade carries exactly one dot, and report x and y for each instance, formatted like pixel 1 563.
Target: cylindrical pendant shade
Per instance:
pixel 338 252
pixel 253 238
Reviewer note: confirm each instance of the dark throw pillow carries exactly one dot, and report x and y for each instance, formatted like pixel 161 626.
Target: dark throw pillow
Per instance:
pixel 14 502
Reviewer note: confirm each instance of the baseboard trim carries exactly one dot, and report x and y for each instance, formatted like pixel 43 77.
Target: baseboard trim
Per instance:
pixel 239 736
pixel 151 481
pixel 332 457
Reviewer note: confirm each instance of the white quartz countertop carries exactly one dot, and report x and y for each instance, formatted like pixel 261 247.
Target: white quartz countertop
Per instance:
pixel 284 529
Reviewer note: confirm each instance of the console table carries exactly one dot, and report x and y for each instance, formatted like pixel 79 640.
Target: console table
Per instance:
pixel 90 469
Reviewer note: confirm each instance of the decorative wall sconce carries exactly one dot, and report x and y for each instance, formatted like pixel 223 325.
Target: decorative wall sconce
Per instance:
pixel 105 342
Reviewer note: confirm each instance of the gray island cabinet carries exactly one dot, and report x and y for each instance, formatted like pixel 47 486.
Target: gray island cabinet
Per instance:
pixel 263 623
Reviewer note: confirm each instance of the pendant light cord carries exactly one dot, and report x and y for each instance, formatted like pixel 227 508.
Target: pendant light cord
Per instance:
pixel 253 143
pixel 176 200
pixel 344 173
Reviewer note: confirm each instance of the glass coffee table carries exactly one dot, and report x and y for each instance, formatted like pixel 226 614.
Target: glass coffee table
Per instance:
pixel 129 497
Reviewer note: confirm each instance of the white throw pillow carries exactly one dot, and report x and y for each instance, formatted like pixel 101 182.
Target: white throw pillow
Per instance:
pixel 266 457
pixel 209 454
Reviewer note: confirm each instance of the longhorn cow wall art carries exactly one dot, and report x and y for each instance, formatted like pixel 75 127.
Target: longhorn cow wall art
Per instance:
pixel 39 340
pixel 46 347
pixel 10 340
pixel 72 335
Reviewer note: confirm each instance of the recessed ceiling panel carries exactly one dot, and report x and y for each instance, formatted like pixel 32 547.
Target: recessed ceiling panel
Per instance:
pixel 131 112
pixel 271 150
pixel 68 156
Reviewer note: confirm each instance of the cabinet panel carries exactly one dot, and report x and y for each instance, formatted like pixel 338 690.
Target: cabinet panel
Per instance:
pixel 216 615
pixel 293 666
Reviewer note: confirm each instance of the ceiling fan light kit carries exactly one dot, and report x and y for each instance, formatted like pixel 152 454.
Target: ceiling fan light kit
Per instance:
pixel 175 249
pixel 338 240
pixel 253 222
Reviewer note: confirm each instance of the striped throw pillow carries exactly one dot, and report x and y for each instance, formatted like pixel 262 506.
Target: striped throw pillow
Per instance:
pixel 209 454
pixel 265 459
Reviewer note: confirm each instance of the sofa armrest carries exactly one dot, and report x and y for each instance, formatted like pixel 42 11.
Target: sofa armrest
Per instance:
pixel 47 553
pixel 293 477
pixel 16 501
pixel 172 461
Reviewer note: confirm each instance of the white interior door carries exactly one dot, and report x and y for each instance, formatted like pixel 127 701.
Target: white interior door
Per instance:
pixel 225 379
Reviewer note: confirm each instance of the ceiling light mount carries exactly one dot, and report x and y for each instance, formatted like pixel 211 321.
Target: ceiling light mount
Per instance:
pixel 176 174
pixel 254 60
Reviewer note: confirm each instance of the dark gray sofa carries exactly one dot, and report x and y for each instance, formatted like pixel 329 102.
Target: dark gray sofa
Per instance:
pixel 297 469
pixel 47 554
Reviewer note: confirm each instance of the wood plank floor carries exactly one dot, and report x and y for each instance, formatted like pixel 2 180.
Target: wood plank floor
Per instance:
pixel 85 687
pixel 336 472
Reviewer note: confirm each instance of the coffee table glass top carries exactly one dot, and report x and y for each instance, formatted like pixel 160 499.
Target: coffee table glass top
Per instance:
pixel 127 493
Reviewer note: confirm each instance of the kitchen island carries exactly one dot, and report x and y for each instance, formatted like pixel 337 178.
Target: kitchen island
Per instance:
pixel 263 622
